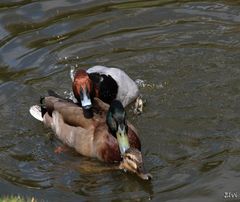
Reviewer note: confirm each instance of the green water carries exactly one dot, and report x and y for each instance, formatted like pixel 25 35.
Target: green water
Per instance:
pixel 187 53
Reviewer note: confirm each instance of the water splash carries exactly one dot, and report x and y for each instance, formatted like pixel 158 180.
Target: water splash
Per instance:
pixel 144 84
pixel 69 95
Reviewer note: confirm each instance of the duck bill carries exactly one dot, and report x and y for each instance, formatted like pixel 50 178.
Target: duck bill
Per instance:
pixel 85 100
pixel 122 139
pixel 143 174
pixel 133 167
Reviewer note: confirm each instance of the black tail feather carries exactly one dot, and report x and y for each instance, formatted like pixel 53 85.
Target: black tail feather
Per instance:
pixel 54 94
pixel 42 105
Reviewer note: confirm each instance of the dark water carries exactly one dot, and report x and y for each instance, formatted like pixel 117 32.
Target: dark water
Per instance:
pixel 188 55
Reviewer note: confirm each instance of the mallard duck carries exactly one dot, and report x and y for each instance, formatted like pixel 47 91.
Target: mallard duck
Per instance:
pixel 107 136
pixel 107 84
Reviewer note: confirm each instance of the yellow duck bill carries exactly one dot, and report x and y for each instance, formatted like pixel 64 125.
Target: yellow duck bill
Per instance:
pixel 122 139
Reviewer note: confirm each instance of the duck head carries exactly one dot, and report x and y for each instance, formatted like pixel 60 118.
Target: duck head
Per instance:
pixel 132 162
pixel 82 88
pixel 116 121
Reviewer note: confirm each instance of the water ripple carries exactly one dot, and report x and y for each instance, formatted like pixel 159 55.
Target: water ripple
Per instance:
pixel 184 57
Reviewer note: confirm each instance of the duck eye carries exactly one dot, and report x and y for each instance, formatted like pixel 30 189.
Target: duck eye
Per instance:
pixel 129 158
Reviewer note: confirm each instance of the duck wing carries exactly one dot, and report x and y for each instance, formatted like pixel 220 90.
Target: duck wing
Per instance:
pixel 71 113
pixel 79 138
pixel 100 107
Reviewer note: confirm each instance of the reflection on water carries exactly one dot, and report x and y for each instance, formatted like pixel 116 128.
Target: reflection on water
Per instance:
pixel 184 56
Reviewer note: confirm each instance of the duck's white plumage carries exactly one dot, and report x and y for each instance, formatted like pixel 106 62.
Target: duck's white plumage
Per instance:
pixel 35 111
pixel 127 89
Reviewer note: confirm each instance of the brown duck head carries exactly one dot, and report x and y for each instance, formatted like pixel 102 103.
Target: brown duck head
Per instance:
pixel 132 162
pixel 83 90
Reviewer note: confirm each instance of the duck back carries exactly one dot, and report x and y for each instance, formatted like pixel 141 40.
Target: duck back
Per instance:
pixel 71 113
pixel 127 89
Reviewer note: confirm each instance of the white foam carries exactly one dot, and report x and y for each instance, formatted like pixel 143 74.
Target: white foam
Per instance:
pixel 70 95
pixel 144 84
pixel 72 73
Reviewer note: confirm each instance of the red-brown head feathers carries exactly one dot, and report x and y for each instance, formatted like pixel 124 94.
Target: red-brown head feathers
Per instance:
pixel 81 80
pixel 82 88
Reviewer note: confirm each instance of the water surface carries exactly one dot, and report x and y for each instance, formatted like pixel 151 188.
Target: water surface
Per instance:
pixel 187 55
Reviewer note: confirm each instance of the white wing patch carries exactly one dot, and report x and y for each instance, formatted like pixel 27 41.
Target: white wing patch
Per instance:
pixel 35 111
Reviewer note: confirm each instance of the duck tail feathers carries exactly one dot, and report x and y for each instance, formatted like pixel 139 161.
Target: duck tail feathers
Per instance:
pixel 54 94
pixel 36 112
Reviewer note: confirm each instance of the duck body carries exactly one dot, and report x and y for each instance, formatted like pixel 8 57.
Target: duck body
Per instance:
pixel 105 83
pixel 89 137
pixel 113 84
